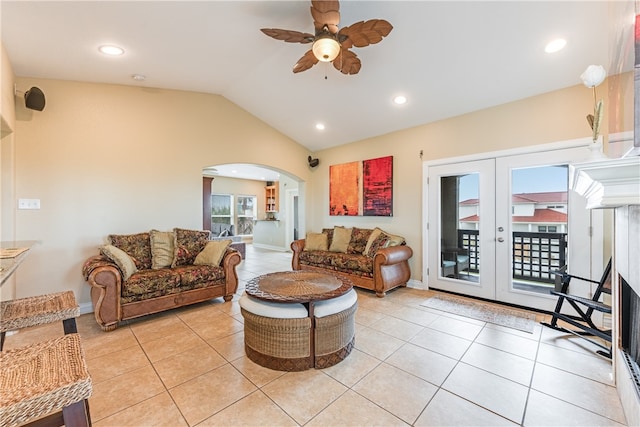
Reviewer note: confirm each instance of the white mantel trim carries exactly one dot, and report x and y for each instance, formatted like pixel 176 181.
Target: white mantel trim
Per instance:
pixel 607 183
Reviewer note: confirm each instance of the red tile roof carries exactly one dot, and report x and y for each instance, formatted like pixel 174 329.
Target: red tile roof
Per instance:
pixel 548 197
pixel 542 215
pixel 539 216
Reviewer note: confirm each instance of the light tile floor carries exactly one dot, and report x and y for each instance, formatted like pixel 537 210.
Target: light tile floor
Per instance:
pixel 410 366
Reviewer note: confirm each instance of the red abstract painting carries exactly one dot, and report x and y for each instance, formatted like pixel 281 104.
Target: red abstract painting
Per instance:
pixel 362 188
pixel 377 186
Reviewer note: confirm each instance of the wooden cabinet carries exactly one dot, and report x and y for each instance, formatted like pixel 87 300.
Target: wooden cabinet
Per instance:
pixel 271 198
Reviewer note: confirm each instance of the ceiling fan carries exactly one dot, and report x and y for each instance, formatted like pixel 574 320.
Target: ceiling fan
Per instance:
pixel 329 43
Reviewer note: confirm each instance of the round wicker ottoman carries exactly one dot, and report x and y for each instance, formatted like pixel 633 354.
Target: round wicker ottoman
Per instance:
pixel 335 329
pixel 277 335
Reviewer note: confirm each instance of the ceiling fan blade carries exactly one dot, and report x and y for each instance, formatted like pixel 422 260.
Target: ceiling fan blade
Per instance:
pixel 325 12
pixel 307 61
pixel 288 36
pixel 347 62
pixel 364 33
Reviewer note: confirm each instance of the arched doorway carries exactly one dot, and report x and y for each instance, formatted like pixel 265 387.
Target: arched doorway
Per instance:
pixel 256 203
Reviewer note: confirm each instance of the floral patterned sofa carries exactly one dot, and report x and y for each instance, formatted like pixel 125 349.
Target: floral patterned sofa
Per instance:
pixel 371 258
pixel 144 273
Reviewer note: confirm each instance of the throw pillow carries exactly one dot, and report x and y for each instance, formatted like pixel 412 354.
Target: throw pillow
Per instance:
pixel 212 253
pixel 379 242
pixel 374 235
pixel 162 250
pixel 395 240
pixel 121 259
pixel 187 244
pixel 329 233
pixel 341 239
pixel 359 238
pixel 137 246
pixel 315 242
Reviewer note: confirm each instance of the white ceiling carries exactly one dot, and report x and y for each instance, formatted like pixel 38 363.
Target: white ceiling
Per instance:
pixel 242 171
pixel 447 57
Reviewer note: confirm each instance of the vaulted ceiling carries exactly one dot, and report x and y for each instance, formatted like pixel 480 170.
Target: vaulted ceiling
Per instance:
pixel 447 57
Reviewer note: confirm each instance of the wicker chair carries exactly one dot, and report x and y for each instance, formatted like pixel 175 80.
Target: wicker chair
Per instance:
pixel 31 311
pixel 46 383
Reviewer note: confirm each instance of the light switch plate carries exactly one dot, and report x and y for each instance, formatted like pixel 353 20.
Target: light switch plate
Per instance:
pixel 28 203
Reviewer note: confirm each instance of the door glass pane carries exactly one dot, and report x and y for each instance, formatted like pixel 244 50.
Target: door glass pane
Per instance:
pixel 459 227
pixel 539 218
pixel 221 212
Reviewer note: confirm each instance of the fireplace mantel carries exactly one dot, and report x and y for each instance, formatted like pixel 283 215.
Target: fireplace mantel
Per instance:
pixel 608 183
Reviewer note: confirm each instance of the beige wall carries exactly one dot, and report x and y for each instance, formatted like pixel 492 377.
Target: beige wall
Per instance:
pixel 117 159
pixel 552 117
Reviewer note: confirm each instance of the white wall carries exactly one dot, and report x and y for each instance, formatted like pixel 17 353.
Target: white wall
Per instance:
pixel 7 166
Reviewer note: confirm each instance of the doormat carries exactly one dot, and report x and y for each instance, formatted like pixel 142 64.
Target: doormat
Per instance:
pixel 487 313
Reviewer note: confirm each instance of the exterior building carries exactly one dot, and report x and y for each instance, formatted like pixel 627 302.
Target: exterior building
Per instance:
pixel 531 212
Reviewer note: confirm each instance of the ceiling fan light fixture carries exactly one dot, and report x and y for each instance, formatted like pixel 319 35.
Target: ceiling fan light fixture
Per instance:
pixel 326 48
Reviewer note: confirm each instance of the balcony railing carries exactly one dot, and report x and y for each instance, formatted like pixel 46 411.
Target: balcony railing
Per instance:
pixel 534 255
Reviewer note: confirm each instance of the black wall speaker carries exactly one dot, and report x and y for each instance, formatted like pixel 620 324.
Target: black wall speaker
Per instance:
pixel 34 99
pixel 313 162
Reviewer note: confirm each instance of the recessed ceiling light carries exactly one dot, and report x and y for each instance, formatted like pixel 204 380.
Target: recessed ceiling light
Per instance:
pixel 400 100
pixel 111 50
pixel 319 126
pixel 555 45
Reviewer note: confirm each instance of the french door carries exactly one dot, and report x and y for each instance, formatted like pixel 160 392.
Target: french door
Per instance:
pixel 498 227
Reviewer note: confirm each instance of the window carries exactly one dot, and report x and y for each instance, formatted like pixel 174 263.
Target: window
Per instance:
pixel 542 228
pixel 246 209
pixel 222 209
pixel 552 229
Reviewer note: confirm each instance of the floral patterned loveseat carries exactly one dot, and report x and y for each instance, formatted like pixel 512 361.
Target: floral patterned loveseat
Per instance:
pixel 144 273
pixel 371 258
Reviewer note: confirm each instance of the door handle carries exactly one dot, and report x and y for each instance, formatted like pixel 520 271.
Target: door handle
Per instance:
pixel 500 239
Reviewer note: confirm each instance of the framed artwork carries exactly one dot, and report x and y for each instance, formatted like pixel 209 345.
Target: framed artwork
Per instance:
pixel 377 187
pixel 362 188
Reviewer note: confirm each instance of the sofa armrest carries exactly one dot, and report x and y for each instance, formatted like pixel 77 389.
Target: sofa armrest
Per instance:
pixel 391 268
pixel 297 246
pixel 105 279
pixel 229 262
pixel 392 255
